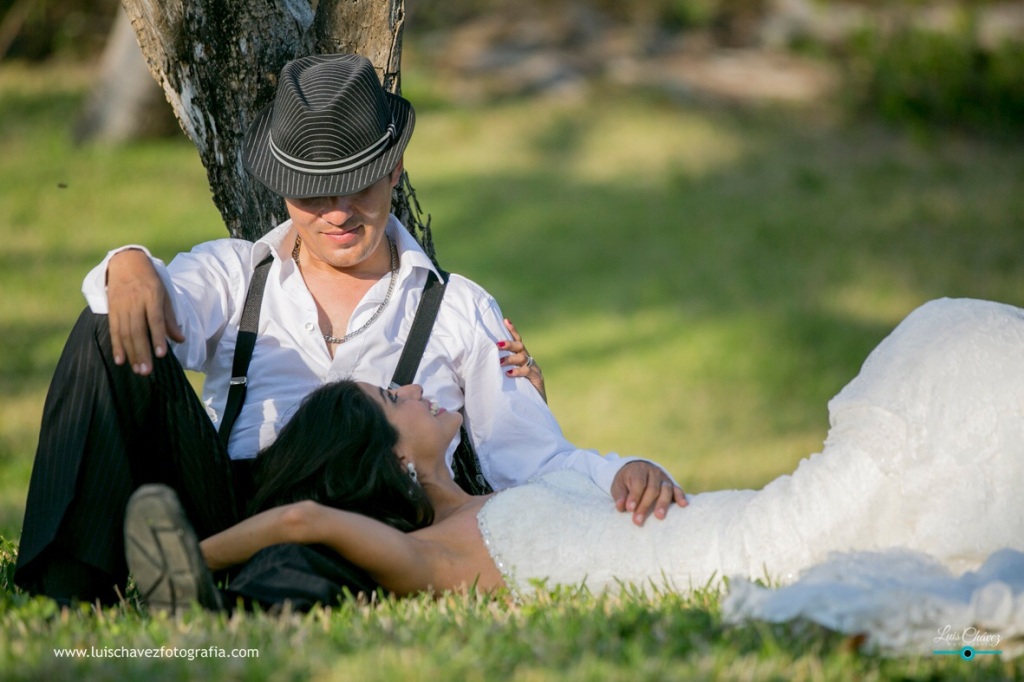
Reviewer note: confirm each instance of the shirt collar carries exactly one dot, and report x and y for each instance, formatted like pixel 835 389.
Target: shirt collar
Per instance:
pixel 410 253
pixel 277 242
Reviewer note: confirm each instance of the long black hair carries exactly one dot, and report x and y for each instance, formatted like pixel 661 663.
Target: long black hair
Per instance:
pixel 339 450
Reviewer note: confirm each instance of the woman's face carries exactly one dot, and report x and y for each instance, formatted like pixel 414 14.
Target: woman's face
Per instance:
pixel 424 429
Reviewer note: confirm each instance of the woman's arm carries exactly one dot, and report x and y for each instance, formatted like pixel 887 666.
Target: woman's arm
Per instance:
pixel 399 562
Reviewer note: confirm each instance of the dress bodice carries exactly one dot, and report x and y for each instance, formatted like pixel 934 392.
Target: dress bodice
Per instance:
pixel 563 529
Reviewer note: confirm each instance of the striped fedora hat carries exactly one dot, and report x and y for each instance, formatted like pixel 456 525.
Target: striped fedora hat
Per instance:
pixel 331 129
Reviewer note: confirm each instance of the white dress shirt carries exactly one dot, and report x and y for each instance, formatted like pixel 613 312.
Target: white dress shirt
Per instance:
pixel 515 434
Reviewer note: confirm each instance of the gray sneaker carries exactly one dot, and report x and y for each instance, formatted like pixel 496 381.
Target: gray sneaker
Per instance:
pixel 163 553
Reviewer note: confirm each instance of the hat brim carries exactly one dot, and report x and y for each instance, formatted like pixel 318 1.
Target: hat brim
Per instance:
pixel 292 184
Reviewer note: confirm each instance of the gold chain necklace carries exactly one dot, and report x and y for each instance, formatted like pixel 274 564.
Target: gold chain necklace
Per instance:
pixel 333 340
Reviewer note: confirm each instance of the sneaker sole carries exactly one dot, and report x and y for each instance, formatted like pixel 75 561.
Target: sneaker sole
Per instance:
pixel 163 553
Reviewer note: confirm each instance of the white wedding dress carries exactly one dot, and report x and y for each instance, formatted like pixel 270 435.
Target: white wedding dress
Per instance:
pixel 920 475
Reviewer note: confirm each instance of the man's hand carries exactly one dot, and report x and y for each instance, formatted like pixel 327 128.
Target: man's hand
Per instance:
pixel 139 309
pixel 640 485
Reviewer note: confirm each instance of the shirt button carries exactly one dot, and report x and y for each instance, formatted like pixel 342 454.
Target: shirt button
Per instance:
pixel 309 326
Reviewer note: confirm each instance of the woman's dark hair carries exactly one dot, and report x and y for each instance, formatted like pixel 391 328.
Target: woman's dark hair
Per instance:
pixel 339 450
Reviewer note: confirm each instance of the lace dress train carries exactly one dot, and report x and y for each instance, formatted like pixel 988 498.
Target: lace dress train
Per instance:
pixel 919 476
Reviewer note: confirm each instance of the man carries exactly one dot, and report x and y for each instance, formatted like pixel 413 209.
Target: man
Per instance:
pixel 344 282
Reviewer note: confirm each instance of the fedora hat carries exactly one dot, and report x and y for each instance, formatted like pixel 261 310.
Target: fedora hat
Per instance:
pixel 331 129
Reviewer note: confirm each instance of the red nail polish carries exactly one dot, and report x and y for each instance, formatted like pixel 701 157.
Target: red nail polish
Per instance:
pixel 508 373
pixel 501 344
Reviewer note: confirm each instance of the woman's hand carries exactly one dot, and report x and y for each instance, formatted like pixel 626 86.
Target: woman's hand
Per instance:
pixel 519 362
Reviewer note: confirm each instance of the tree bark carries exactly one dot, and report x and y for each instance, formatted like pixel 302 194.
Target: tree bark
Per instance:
pixel 372 28
pixel 217 61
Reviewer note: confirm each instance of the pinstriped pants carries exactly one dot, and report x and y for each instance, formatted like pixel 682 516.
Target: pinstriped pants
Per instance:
pixel 105 431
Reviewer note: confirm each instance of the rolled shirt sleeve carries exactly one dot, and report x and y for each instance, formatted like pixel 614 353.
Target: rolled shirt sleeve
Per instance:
pixel 94 286
pixel 207 286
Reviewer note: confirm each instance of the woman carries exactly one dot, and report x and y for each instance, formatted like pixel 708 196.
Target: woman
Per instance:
pixel 925 453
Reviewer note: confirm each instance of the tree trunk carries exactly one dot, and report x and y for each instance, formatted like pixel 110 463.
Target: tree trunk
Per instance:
pixel 217 62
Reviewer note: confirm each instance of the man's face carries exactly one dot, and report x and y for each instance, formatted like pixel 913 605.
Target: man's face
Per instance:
pixel 344 232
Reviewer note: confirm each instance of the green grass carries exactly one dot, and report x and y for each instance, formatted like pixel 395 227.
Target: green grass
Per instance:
pixel 565 635
pixel 696 282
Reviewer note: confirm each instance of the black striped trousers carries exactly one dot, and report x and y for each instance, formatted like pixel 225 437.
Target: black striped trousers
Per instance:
pixel 105 431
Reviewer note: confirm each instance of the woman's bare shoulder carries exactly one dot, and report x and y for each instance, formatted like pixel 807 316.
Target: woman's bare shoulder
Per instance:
pixel 452 527
pixel 463 558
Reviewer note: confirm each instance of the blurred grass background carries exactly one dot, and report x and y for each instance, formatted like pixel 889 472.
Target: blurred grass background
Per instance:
pixel 698 282
pixel 696 278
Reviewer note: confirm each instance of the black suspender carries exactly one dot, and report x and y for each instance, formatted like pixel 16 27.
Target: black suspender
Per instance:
pixel 248 328
pixel 466 463
pixel 422 324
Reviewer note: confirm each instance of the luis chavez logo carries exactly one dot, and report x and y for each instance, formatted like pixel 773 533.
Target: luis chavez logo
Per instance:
pixel 970 640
